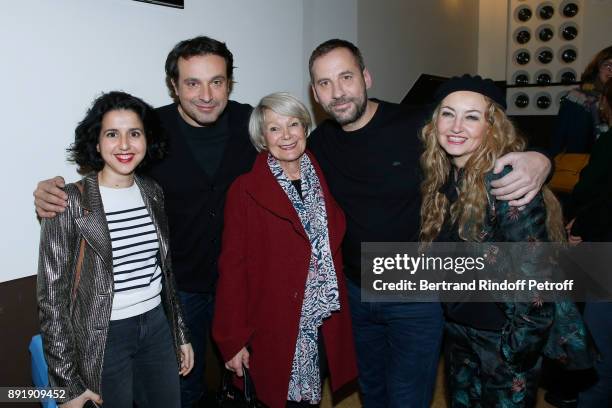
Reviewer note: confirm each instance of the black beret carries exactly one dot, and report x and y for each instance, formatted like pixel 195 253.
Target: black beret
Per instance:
pixel 474 84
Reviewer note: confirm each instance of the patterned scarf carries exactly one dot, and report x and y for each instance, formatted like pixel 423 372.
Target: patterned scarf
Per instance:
pixel 321 295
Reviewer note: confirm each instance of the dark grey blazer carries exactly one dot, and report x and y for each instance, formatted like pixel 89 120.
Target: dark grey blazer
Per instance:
pixel 74 331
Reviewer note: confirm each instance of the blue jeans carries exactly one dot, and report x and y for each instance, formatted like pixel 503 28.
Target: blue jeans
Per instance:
pixel 198 313
pixel 598 318
pixel 140 363
pixel 398 350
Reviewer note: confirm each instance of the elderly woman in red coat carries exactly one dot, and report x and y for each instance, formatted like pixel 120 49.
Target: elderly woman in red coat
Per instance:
pixel 281 303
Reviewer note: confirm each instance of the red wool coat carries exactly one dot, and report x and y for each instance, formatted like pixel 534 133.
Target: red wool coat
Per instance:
pixel 263 269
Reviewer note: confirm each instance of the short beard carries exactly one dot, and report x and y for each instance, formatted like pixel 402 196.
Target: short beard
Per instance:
pixel 359 111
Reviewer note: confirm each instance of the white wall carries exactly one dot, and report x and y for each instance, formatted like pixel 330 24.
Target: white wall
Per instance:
pixel 492 29
pixel 404 39
pixel 322 22
pixel 58 55
pixel 598 30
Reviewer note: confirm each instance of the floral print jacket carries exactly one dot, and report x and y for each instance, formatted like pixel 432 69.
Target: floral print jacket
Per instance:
pixel 555 330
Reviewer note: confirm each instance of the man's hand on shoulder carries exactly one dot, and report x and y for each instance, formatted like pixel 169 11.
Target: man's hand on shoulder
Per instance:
pixel 529 172
pixel 49 198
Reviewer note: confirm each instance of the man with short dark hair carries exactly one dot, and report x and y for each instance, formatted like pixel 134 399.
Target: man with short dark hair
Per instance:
pixel 209 147
pixel 369 154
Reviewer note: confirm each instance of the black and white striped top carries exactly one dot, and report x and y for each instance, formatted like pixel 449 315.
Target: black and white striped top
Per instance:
pixel 135 245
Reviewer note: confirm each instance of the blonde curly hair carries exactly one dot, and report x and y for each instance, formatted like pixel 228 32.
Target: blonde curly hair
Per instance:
pixel 469 211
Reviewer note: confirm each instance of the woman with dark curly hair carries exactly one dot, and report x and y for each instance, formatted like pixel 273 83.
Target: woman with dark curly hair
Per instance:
pixel 111 324
pixel 580 122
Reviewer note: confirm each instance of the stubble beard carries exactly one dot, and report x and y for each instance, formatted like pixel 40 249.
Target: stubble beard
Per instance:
pixel 359 104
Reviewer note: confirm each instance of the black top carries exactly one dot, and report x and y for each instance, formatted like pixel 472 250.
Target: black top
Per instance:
pixel 207 143
pixel 479 315
pixel 194 201
pixel 373 173
pixel 577 124
pixel 591 201
pixel 297 184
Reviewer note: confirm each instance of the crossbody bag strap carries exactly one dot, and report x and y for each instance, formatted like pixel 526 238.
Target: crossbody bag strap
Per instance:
pixel 79 264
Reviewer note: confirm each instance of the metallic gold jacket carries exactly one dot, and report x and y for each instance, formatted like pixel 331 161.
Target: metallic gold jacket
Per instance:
pixel 74 330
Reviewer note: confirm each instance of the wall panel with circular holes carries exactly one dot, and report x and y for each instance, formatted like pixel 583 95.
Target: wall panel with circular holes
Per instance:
pixel 544 43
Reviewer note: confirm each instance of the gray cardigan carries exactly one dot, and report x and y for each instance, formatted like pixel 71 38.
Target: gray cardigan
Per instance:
pixel 74 331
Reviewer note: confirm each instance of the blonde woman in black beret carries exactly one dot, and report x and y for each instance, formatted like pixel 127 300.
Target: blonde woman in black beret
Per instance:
pixel 492 349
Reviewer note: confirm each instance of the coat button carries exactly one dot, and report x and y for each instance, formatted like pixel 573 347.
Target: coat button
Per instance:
pixel 295 295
